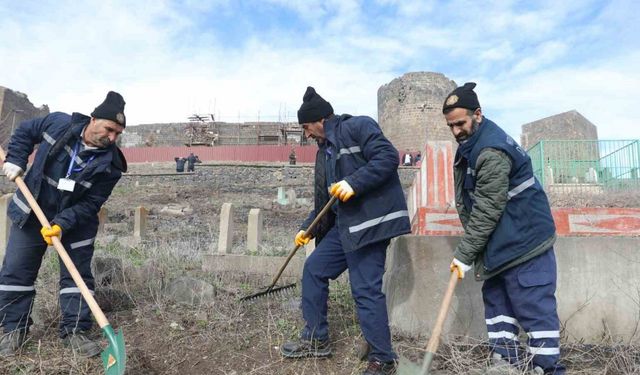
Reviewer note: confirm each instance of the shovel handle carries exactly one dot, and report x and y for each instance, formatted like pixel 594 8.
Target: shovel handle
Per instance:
pixel 101 319
pixel 315 221
pixel 434 340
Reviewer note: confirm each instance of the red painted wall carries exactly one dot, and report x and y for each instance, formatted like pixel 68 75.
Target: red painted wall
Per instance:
pixel 247 153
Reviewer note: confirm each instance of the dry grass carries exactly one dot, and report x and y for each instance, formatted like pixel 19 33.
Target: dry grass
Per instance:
pixel 223 336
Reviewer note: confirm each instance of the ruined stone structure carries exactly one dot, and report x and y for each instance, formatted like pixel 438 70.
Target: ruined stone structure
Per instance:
pixel 212 134
pixel 564 161
pixel 569 125
pixel 410 109
pixel 15 107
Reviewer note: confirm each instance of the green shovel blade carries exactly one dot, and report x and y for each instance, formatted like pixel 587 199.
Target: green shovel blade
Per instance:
pixel 114 357
pixel 406 367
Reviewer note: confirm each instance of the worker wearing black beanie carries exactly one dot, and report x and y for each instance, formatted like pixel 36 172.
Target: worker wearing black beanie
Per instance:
pixel 313 108
pixel 462 97
pixel 508 238
pixel 357 165
pixel 111 109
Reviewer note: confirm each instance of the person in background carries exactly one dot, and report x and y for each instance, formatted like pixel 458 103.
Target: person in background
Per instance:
pixel 180 164
pixel 191 162
pixel 406 158
pixel 292 157
pixel 417 159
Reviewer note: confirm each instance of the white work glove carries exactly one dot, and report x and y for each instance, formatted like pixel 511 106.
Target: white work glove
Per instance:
pixel 11 170
pixel 342 190
pixel 459 267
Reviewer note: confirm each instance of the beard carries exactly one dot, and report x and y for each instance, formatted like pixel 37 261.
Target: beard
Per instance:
pixel 102 142
pixel 464 135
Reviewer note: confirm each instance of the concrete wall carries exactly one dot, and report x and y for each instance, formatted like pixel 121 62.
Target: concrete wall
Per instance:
pixel 598 288
pixel 410 109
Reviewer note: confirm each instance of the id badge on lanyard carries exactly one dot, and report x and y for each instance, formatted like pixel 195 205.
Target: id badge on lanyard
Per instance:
pixel 67 184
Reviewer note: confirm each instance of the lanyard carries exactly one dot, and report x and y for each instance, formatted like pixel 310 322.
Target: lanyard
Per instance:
pixel 73 159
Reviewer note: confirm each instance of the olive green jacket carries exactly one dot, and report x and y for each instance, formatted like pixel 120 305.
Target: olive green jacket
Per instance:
pixel 490 199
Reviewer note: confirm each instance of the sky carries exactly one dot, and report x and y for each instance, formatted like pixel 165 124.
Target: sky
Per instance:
pixel 252 60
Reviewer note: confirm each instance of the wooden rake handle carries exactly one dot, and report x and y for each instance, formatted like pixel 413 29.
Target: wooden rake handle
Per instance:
pixel 434 340
pixel 315 221
pixel 86 293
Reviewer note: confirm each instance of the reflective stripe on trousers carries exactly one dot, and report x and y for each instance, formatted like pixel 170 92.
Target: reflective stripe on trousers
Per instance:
pixel 524 296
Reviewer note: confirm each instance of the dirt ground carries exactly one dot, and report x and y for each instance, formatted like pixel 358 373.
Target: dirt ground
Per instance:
pixel 222 335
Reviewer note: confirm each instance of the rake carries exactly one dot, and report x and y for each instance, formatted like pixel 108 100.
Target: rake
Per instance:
pixel 114 357
pixel 271 289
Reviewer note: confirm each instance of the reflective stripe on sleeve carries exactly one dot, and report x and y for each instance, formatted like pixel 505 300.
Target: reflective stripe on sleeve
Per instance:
pixel 520 188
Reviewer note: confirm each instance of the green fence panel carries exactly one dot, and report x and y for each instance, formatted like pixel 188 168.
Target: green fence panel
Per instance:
pixel 590 165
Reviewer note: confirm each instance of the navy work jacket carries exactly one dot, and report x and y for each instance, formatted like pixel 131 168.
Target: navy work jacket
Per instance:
pixel 527 221
pixel 366 159
pixel 57 135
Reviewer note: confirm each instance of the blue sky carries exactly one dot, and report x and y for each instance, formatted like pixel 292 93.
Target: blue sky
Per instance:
pixel 244 60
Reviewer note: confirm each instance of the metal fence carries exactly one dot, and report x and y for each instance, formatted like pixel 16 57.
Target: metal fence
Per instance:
pixel 593 166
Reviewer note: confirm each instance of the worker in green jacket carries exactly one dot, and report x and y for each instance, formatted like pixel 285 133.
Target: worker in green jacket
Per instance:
pixel 509 235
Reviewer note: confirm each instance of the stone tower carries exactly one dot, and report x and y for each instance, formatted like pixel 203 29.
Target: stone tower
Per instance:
pixel 569 125
pixel 410 109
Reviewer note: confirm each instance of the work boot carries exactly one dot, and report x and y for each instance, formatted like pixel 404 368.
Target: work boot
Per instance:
pixel 12 341
pixel 82 345
pixel 500 366
pixel 381 368
pixel 306 348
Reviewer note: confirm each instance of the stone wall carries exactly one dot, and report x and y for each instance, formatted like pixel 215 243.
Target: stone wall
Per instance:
pixel 15 107
pixel 410 109
pixel 569 125
pixel 226 176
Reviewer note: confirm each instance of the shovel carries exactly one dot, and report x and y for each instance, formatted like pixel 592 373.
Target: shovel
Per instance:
pixel 270 289
pixel 407 367
pixel 114 357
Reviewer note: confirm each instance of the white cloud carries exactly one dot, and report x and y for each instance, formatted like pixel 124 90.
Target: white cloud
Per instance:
pixel 170 59
pixel 604 93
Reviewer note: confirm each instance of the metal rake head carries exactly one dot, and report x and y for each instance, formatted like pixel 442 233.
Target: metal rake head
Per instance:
pixel 270 292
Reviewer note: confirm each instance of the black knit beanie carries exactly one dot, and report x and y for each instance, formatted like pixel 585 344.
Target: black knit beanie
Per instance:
pixel 111 109
pixel 462 97
pixel 313 107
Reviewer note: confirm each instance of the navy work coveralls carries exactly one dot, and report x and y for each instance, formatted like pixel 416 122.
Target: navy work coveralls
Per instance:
pixel 523 294
pixel 358 152
pixel 95 172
